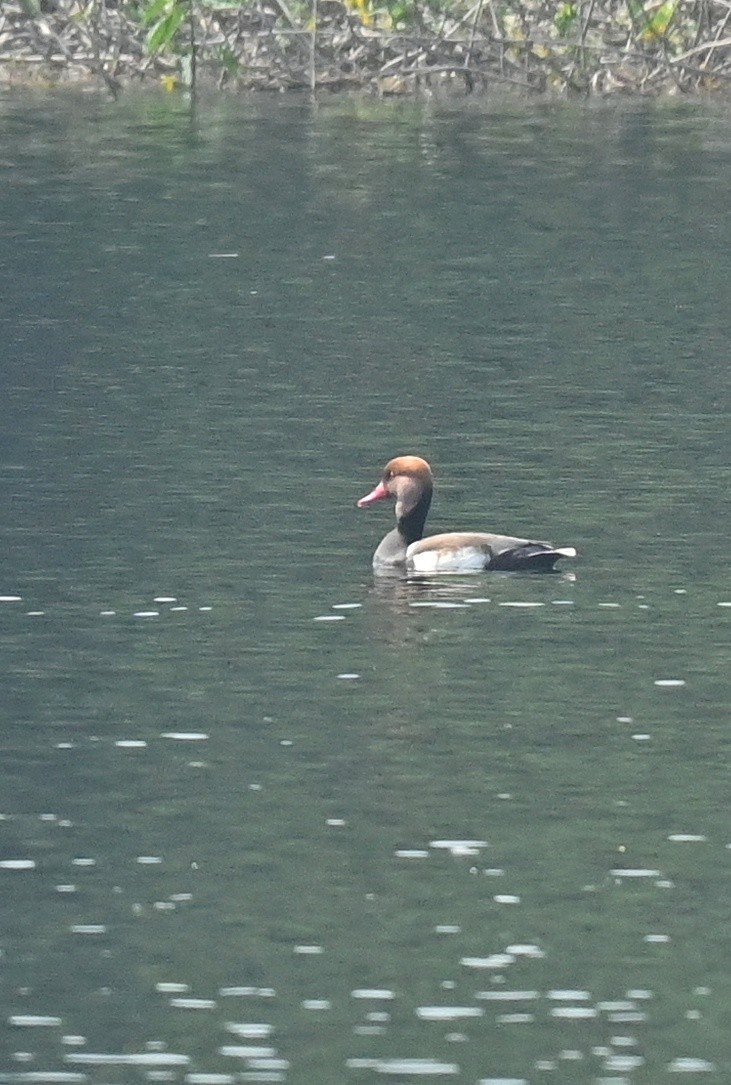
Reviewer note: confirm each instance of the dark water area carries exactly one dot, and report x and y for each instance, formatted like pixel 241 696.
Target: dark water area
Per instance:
pixel 264 817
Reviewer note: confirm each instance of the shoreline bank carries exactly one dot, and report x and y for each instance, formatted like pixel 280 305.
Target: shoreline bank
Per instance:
pixel 328 45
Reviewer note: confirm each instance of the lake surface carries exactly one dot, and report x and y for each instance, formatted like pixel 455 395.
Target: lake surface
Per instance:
pixel 265 818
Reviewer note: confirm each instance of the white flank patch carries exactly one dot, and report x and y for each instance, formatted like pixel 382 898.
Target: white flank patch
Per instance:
pixel 465 559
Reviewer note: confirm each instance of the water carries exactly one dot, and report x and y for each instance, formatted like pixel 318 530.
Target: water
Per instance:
pixel 472 829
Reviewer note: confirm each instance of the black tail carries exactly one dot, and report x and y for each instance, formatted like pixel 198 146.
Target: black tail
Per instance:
pixel 532 557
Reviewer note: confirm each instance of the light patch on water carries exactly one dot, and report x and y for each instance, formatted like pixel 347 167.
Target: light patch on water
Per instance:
pixel 526 950
pixel 17 864
pixel 224 256
pixel 502 1081
pixel 494 960
pixel 377 993
pixel 247 992
pixel 65 888
pixel 642 737
pixel 143 1058
pixel 623 1062
pixel 336 823
pixel 415 1067
pixel 107 613
pixel 507 996
pixel 642 993
pixel 308 950
pixel 523 605
pixel 88 928
pixel 514 1018
pixel 669 683
pixel 447 1013
pixel 186 736
pixel 685 1065
pixel 247 1051
pixel 447 928
pixel 439 604
pixel 43 1077
pixel 149 860
pixel 33 1020
pixel 656 939
pixel 459 847
pixel 478 599
pixel 316 1004
pixel 635 872
pixel 210 1079
pixel 688 838
pixel 250 1030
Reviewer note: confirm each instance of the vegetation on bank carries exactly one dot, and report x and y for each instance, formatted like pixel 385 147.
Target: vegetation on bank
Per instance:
pixel 389 46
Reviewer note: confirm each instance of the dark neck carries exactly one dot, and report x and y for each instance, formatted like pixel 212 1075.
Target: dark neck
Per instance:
pixel 410 524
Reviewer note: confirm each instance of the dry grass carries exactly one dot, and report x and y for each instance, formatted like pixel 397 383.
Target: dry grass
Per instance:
pixel 587 48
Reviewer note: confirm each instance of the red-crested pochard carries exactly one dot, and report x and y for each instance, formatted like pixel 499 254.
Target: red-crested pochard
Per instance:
pixel 409 480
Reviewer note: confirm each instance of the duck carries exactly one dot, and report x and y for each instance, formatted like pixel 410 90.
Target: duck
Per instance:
pixel 410 482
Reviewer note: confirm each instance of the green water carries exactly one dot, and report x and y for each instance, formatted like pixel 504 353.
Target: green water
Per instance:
pixel 400 834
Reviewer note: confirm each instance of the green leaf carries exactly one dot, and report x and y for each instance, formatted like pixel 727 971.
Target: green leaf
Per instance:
pixel 565 18
pixel 166 29
pixel 229 60
pixel 156 10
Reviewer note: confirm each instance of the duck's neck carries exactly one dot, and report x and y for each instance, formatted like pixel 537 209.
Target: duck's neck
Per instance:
pixel 410 520
pixel 409 528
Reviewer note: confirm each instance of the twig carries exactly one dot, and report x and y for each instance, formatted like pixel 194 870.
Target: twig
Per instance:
pixel 478 12
pixel 313 48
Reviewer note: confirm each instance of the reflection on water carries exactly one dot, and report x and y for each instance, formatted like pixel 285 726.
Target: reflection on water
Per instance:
pixel 266 817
